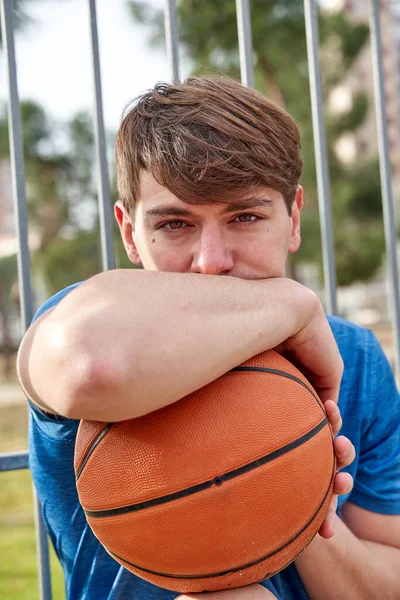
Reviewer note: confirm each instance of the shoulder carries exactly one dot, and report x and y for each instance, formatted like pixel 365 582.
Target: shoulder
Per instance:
pixel 368 380
pixel 357 345
pixel 368 375
pixel 346 332
pixel 54 300
pixel 49 423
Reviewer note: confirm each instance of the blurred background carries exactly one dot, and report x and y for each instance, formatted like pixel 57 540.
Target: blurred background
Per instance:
pixel 56 93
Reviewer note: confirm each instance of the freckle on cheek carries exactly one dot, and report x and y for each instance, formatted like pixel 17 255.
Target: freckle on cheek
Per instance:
pixel 153 240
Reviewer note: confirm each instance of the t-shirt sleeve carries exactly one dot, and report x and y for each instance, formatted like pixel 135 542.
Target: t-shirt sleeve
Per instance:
pixel 377 485
pixel 54 300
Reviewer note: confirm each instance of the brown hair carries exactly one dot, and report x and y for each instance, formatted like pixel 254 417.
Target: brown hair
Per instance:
pixel 207 140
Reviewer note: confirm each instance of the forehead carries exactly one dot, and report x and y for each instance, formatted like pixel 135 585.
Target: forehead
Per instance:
pixel 157 200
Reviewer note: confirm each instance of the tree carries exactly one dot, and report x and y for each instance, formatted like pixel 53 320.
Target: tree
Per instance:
pixel 8 268
pixel 61 199
pixel 52 190
pixel 208 35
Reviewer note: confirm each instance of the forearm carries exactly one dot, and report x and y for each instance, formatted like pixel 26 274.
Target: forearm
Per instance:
pixel 129 342
pixel 346 567
pixel 249 592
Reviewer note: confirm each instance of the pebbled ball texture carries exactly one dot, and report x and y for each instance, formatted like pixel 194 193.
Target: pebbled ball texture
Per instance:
pixel 221 489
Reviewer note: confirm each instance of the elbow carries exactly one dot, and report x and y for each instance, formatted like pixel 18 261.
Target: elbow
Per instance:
pixel 93 392
pixel 82 378
pixel 67 368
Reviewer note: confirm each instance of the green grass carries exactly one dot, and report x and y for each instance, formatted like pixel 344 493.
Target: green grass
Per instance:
pixel 18 564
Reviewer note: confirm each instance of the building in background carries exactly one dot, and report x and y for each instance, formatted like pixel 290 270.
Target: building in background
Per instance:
pixel 363 144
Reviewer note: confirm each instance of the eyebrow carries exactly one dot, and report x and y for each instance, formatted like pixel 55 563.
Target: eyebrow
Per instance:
pixel 175 211
pixel 168 211
pixel 248 203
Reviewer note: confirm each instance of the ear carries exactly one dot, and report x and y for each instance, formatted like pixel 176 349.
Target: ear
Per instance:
pixel 297 205
pixel 127 233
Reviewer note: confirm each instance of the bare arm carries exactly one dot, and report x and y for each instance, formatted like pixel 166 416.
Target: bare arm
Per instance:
pixel 127 342
pixel 250 592
pixel 366 553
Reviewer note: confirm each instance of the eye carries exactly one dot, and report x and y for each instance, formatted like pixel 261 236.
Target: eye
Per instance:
pixel 173 225
pixel 246 218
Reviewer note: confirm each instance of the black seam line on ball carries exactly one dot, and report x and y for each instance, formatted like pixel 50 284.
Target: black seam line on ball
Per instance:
pixel 277 372
pixel 246 566
pixel 240 368
pixel 92 446
pixel 112 512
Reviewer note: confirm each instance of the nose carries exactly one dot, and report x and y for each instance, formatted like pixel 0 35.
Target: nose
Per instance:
pixel 211 255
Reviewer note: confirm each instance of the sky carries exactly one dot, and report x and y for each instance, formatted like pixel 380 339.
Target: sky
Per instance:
pixel 54 58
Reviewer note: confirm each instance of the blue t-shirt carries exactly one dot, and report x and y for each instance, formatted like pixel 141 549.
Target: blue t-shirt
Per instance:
pixel 370 408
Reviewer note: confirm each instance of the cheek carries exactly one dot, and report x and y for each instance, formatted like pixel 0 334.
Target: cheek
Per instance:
pixel 160 257
pixel 274 244
pixel 267 256
pixel 280 240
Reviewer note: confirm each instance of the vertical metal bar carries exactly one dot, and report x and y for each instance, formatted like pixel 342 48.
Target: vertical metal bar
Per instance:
pixel 245 42
pixel 171 38
pixel 321 159
pixel 385 172
pixel 17 165
pixel 105 215
pixel 19 199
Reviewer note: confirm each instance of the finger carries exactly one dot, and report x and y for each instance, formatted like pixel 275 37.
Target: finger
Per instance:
pixel 345 451
pixel 343 484
pixel 327 528
pixel 334 416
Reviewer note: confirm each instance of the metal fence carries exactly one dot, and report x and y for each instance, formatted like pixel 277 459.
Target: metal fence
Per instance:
pixel 19 460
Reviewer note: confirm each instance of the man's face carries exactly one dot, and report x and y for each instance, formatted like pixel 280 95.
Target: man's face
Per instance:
pixel 249 238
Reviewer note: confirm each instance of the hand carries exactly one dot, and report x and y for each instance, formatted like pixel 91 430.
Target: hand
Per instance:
pixel 312 347
pixel 345 454
pixel 249 592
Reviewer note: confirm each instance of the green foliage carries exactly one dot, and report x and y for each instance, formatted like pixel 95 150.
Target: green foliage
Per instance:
pixel 359 247
pixel 350 121
pixel 359 234
pixel 81 136
pixel 60 191
pixel 18 567
pixel 45 169
pixel 36 128
pixel 349 36
pixel 68 261
pixel 8 272
pixel 59 185
pixel 365 201
pixel 358 226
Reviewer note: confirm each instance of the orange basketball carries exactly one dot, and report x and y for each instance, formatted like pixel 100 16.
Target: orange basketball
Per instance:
pixel 221 489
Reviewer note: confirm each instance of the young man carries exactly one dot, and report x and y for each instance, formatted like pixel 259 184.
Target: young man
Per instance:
pixel 210 203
